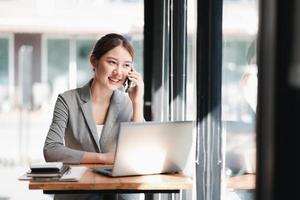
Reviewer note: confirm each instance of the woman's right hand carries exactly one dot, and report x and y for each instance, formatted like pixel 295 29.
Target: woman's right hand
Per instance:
pixel 101 158
pixel 107 158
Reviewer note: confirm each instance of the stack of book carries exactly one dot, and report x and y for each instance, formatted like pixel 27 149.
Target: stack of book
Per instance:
pixel 47 171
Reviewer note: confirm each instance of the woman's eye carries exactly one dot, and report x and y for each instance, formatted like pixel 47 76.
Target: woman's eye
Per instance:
pixel 127 66
pixel 112 62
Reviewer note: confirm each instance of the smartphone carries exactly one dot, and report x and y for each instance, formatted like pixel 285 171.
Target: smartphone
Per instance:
pixel 127 84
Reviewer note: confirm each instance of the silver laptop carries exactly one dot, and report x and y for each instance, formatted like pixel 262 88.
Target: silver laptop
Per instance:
pixel 151 148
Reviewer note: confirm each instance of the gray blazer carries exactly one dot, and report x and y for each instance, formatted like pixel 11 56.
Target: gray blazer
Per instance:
pixel 73 130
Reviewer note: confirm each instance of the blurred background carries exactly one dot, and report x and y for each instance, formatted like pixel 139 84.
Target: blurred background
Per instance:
pixel 44 49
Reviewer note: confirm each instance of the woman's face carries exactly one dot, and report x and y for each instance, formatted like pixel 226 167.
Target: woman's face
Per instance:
pixel 112 69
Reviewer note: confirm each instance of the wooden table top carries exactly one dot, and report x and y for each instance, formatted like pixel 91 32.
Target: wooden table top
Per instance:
pixel 95 181
pixel 243 182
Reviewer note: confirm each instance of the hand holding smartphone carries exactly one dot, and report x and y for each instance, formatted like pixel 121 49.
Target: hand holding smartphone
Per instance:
pixel 128 82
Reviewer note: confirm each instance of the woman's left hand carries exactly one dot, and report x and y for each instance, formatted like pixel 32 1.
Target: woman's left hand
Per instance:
pixel 136 92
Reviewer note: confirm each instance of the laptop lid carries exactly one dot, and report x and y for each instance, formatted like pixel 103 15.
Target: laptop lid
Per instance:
pixel 152 147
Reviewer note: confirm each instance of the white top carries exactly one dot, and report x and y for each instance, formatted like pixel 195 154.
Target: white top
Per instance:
pixel 99 130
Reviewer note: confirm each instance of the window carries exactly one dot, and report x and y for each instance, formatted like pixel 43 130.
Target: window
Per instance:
pixel 239 88
pixel 6 73
pixel 84 69
pixel 58 58
pixel 191 60
pixel 137 43
pixel 4 76
pixel 4 61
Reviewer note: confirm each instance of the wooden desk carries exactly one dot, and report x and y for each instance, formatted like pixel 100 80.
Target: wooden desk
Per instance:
pixel 244 182
pixel 94 182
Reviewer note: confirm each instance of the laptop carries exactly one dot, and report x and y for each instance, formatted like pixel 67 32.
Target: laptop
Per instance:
pixel 151 148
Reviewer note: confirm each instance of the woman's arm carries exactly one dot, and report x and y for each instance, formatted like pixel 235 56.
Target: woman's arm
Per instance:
pixel 136 95
pixel 54 147
pixel 103 158
pixel 138 112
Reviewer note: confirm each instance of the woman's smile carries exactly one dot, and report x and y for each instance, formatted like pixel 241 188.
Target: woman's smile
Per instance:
pixel 114 80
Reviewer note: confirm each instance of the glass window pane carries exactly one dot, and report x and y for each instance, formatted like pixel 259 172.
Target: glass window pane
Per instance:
pixel 239 88
pixel 84 68
pixel 137 44
pixel 58 65
pixel 4 76
pixel 191 60
pixel 3 61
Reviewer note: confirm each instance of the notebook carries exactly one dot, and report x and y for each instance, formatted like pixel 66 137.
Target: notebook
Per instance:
pixel 73 174
pixel 48 172
pixel 53 166
pixel 151 148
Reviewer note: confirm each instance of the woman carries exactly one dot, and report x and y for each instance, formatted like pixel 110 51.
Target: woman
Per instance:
pixel 85 121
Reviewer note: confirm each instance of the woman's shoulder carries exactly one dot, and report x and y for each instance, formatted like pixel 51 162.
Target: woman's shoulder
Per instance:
pixel 70 93
pixel 81 92
pixel 70 97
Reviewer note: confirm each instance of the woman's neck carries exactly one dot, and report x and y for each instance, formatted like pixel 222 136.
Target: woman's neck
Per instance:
pixel 100 94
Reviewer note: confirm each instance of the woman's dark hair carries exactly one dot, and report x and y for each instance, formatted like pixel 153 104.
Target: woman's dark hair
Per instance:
pixel 110 41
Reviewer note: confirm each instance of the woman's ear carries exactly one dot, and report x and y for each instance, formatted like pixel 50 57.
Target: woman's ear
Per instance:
pixel 93 61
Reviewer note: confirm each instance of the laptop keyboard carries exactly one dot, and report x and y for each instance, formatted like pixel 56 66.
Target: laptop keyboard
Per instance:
pixel 108 169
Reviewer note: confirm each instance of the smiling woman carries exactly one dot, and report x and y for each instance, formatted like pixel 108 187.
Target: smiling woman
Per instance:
pixel 86 120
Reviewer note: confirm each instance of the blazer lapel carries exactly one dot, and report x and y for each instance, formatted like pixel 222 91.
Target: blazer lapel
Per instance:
pixel 111 117
pixel 86 107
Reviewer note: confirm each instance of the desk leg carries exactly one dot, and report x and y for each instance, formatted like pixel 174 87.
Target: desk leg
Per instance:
pixel 176 196
pixel 168 196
